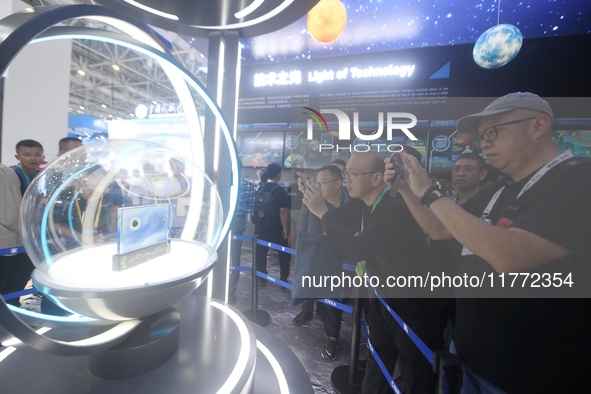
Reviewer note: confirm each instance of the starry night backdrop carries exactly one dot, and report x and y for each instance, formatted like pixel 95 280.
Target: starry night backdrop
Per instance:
pixel 382 25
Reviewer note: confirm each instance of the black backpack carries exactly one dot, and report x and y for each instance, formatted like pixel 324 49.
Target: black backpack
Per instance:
pixel 265 213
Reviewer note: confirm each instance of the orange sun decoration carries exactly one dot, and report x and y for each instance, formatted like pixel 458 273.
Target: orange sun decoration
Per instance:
pixel 327 20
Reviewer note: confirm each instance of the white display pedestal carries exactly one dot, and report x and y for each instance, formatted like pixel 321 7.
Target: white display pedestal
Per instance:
pixel 219 351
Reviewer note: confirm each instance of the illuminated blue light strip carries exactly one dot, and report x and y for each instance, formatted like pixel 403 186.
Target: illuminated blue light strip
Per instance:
pixel 189 79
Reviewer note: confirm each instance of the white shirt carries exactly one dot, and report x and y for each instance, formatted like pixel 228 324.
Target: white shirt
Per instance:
pixel 10 200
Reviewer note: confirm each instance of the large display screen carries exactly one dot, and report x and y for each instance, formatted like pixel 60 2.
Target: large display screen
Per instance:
pixel 313 98
pixel 260 148
pixel 578 142
pixel 313 153
pixel 388 146
pixel 573 135
pixel 445 147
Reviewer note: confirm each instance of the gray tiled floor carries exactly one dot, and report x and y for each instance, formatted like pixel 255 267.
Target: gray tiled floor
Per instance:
pixel 306 341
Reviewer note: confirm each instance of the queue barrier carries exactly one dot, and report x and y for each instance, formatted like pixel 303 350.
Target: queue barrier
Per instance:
pixel 441 363
pixel 277 281
pixel 20 293
pixel 428 353
pixel 379 361
pixel 13 250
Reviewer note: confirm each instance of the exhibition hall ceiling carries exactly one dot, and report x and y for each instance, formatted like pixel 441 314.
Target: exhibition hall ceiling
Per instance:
pixel 116 79
pixel 109 81
pixel 369 26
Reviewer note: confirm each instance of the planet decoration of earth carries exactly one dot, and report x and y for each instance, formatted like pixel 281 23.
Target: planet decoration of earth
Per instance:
pixel 327 20
pixel 497 46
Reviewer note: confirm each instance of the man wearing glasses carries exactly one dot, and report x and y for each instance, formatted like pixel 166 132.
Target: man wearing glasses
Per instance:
pixel 19 267
pixel 329 181
pixel 30 155
pixel 534 222
pixel 467 173
pixel 390 243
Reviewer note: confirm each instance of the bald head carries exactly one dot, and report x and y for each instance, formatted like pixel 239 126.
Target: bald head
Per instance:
pixel 373 158
pixel 364 175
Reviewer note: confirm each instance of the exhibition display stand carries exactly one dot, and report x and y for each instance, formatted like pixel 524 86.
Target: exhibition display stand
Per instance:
pixel 219 351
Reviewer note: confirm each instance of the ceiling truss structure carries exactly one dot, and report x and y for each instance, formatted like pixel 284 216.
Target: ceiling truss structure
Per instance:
pixel 104 92
pixel 99 90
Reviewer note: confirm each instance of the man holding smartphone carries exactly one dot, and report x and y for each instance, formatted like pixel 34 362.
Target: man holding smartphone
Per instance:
pixel 529 223
pixel 390 243
pixel 329 181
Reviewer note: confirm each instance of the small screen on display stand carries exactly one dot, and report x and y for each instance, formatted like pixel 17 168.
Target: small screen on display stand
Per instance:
pixel 142 234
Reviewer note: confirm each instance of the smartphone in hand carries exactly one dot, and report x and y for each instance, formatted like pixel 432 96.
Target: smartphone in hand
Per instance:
pixel 399 167
pixel 305 182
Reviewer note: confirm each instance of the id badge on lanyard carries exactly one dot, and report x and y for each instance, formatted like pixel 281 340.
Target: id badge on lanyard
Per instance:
pixel 537 176
pixel 360 265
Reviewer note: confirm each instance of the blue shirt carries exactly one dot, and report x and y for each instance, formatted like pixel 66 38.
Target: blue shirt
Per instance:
pixel 25 178
pixel 246 198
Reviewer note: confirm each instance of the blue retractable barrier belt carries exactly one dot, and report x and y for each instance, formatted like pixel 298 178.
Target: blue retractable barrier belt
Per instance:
pixel 376 356
pixel 428 353
pixel 13 250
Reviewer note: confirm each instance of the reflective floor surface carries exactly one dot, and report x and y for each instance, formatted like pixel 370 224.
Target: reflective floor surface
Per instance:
pixel 306 341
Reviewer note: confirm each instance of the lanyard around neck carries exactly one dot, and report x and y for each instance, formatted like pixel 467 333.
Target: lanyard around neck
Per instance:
pixel 28 178
pixel 537 176
pixel 360 266
pixel 465 200
pixel 373 207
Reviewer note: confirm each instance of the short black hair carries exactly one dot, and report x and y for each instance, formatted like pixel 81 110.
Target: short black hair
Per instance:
pixel 63 144
pixel 340 162
pixel 475 157
pixel 412 151
pixel 334 170
pixel 492 174
pixel 28 144
pixel 273 170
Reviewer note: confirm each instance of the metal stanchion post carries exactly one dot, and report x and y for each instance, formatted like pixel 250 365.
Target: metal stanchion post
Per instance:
pixel 346 379
pixel 448 368
pixel 256 315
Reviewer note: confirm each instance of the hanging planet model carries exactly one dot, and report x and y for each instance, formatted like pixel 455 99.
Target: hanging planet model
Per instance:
pixel 497 46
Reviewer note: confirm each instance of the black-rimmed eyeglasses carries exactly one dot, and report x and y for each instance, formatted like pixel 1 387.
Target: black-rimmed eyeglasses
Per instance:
pixel 35 155
pixel 491 133
pixel 351 174
pixel 321 183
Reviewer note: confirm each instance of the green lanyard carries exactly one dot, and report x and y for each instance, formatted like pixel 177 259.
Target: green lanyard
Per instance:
pixel 26 178
pixel 460 203
pixel 360 266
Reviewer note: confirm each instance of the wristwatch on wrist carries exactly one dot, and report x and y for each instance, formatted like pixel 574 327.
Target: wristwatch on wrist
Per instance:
pixel 434 192
pixel 434 195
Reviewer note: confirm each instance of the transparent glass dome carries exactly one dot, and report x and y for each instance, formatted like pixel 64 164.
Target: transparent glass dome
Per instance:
pixel 120 229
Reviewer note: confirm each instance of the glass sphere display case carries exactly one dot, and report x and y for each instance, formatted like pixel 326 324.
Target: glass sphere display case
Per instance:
pixel 125 233
pixel 103 272
pixel 120 229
